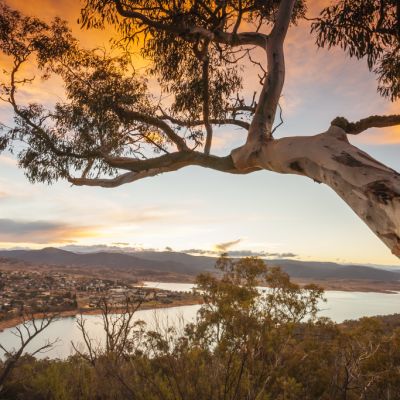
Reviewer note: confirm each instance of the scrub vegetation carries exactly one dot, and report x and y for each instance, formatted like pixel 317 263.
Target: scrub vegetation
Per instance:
pixel 245 344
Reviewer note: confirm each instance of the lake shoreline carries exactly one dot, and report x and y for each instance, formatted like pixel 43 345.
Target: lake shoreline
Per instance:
pixel 13 322
pixel 340 307
pixel 328 286
pixel 358 285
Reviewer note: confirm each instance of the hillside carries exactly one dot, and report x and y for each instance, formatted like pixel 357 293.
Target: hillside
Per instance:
pixel 120 261
pixel 181 263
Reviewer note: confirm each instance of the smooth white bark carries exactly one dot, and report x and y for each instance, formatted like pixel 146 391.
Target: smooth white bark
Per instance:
pixel 370 188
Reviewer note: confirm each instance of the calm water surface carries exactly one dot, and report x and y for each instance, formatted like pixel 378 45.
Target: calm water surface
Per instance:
pixel 339 307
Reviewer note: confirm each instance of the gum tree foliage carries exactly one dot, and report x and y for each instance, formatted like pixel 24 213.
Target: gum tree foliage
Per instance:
pixel 111 130
pixel 366 29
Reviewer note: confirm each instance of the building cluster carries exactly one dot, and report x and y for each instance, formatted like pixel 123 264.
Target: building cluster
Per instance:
pixel 50 291
pixel 28 291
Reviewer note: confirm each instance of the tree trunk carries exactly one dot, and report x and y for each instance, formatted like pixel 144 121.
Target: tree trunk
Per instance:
pixel 370 188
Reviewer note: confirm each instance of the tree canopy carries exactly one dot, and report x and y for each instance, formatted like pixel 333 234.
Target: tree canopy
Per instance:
pixel 112 130
pixel 366 29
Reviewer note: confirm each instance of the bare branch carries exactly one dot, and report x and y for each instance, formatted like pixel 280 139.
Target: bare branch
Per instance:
pixel 46 347
pixel 281 119
pixel 119 328
pixel 374 121
pixel 90 356
pixel 32 331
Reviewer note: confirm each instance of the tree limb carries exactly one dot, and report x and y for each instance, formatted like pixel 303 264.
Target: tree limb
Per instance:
pixel 37 128
pixel 177 159
pixel 261 125
pixel 140 169
pixel 374 121
pixel 154 121
pixel 216 36
pixel 206 105
pixel 127 177
pixel 213 121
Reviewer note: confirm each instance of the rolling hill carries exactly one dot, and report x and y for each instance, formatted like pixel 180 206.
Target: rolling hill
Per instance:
pixel 181 263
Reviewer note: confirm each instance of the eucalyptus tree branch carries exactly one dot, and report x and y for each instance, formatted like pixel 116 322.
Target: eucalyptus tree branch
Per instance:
pixel 239 18
pixel 41 132
pixel 206 104
pixel 176 159
pixel 213 121
pixel 243 108
pixel 132 116
pixel 37 128
pixel 122 179
pixel 373 121
pixel 189 33
pixel 140 169
pixel 261 126
pixel 264 116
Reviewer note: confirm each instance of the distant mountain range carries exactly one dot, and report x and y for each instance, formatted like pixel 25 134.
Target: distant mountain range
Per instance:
pixel 181 263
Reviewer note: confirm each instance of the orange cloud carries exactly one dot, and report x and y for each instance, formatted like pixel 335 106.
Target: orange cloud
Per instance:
pixel 50 91
pixel 67 10
pixel 382 136
pixel 307 68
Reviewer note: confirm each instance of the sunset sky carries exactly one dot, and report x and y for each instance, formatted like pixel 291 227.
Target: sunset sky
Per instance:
pixel 197 208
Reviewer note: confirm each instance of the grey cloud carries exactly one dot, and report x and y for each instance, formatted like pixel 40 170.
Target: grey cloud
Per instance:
pixel 114 248
pixel 250 253
pixel 9 226
pixel 222 247
pixel 241 253
pixel 199 251
pixel 130 249
pixel 286 255
pixel 41 232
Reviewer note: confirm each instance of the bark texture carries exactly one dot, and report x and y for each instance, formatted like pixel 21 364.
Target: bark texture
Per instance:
pixel 370 188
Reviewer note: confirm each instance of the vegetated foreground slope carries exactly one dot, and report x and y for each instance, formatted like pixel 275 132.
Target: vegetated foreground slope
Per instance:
pixel 245 343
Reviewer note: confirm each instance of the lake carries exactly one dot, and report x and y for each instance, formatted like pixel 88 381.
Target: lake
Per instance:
pixel 339 307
